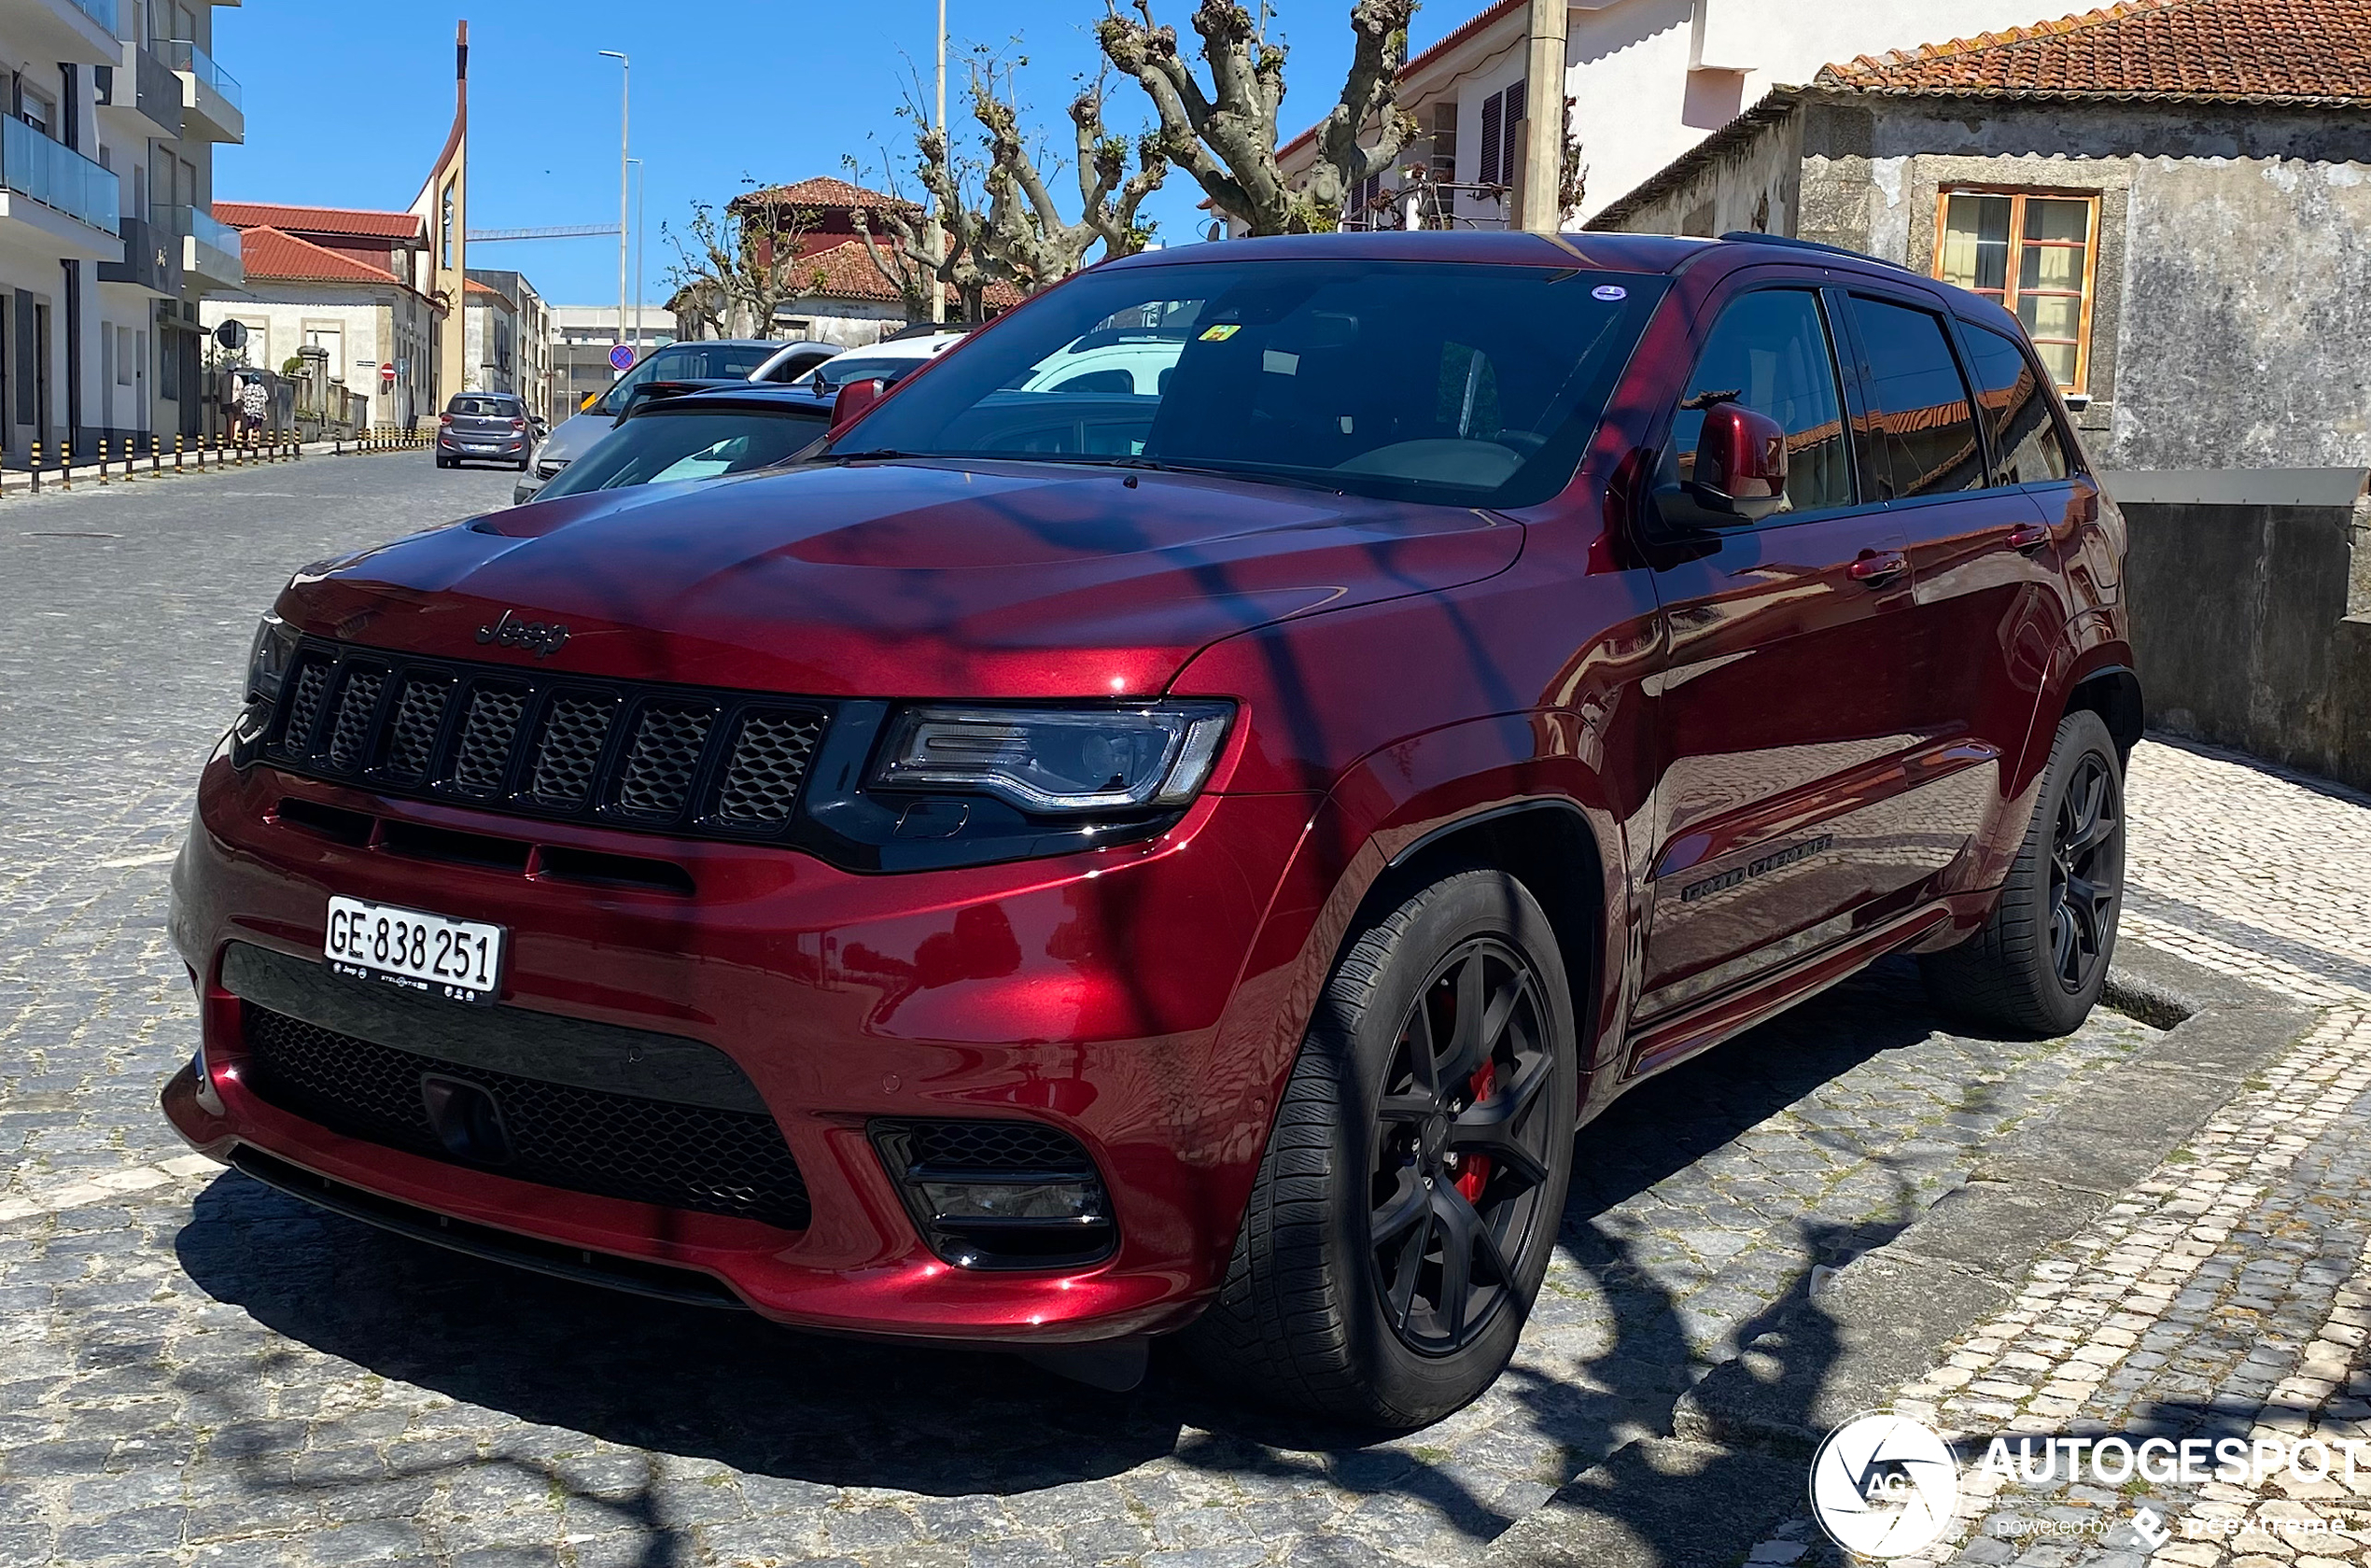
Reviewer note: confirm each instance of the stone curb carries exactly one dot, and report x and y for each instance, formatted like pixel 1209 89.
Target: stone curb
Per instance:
pixel 1737 1458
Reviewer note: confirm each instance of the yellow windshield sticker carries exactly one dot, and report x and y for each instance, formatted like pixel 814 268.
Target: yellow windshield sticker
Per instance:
pixel 1220 334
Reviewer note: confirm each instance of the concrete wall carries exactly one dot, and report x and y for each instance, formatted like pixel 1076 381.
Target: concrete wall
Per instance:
pixel 2251 617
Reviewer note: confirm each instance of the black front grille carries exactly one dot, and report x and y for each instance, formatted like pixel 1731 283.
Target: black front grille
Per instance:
pixel 724 764
pixel 561 1135
pixel 998 1146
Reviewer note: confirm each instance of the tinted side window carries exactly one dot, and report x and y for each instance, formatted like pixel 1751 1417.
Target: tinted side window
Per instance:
pixel 1919 438
pixel 2024 435
pixel 1768 352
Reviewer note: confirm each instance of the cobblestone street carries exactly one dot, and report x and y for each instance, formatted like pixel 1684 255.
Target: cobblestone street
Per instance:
pixel 197 1369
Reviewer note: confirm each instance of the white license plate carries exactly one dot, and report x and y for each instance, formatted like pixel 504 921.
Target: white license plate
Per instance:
pixel 476 446
pixel 461 959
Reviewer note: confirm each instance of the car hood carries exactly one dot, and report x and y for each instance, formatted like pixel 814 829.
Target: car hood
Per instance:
pixel 907 579
pixel 571 436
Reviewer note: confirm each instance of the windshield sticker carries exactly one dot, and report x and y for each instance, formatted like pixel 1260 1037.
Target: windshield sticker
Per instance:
pixel 1220 334
pixel 1609 291
pixel 1276 362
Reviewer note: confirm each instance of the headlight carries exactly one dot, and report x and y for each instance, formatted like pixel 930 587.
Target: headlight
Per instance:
pixel 268 661
pixel 1056 759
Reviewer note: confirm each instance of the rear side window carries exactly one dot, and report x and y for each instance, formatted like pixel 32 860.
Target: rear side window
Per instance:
pixel 1768 352
pixel 2025 439
pixel 1919 436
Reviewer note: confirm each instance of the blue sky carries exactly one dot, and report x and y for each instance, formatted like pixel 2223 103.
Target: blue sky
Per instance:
pixel 347 112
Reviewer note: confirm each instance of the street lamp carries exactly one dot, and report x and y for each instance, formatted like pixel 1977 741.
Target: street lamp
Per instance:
pixel 938 285
pixel 624 108
pixel 642 208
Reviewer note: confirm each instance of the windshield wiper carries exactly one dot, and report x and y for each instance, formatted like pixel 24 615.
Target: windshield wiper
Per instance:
pixel 877 453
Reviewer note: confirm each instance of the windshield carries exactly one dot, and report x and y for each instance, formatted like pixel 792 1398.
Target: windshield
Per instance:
pixel 834 374
pixel 661 446
pixel 688 361
pixel 1418 381
pixel 486 408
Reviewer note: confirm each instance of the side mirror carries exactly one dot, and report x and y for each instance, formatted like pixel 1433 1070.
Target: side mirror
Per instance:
pixel 1741 463
pixel 855 398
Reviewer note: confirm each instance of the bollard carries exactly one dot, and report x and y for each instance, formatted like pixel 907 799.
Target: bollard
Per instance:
pixel 66 465
pixel 36 470
pixel 156 453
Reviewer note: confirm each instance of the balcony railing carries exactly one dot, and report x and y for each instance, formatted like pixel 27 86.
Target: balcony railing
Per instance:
pixel 56 175
pixel 217 243
pixel 100 11
pixel 183 55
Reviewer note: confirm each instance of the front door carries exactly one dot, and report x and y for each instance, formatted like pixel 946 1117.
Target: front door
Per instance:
pixel 1784 688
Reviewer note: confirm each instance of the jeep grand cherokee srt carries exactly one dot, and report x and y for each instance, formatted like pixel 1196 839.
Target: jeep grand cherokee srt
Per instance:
pixel 1056 866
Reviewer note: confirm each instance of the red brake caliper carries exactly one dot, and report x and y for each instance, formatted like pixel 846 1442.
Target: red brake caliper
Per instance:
pixel 1474 1169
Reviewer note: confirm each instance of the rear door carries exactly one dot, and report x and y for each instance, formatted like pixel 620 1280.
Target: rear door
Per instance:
pixel 1987 595
pixel 1782 700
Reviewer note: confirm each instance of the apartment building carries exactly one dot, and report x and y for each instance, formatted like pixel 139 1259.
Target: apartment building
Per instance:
pixel 161 107
pixel 581 337
pixel 508 336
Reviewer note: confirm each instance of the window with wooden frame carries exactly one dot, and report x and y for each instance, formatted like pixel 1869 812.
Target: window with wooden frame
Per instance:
pixel 2036 252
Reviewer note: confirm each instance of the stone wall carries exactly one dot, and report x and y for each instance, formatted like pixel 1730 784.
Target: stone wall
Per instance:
pixel 2251 598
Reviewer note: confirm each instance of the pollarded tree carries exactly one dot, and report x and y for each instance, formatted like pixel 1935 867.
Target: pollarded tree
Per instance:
pixel 944 244
pixel 1025 228
pixel 1224 136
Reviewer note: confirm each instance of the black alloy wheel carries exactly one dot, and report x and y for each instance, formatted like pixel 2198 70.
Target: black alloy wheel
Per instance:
pixel 2085 855
pixel 1460 1147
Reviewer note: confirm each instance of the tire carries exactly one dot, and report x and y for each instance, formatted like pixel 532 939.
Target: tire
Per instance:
pixel 443 462
pixel 1316 1313
pixel 2040 961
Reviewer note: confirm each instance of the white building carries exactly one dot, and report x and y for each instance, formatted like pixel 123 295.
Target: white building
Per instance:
pixel 1647 79
pixel 347 281
pixel 95 284
pixel 581 337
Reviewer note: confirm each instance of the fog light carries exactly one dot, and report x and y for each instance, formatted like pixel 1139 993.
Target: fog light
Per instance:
pixel 1034 1200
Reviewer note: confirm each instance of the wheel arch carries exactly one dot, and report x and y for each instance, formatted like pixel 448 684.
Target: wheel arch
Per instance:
pixel 2113 693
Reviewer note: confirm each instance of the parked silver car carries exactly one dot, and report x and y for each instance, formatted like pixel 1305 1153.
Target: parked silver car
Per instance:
pixel 723 361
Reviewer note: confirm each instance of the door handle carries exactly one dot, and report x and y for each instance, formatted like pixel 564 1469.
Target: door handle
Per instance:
pixel 1877 566
pixel 2031 538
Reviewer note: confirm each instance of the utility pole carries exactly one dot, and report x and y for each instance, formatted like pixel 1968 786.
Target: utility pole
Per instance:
pixel 641 207
pixel 1541 209
pixel 938 285
pixel 624 238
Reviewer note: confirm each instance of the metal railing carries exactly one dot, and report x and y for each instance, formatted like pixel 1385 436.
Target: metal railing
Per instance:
pixel 183 55
pixel 56 175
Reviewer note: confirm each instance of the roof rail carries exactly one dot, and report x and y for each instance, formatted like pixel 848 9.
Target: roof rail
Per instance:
pixel 1794 243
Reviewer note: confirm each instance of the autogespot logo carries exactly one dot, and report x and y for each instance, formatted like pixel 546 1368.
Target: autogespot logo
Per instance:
pixel 1883 1485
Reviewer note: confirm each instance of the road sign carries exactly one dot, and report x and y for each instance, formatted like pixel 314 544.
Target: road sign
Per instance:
pixel 621 357
pixel 232 335
pixel 387 370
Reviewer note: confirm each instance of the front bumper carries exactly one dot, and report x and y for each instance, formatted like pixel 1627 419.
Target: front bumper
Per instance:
pixel 1097 993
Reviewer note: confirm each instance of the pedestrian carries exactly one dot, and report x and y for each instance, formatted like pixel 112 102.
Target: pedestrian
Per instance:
pixel 255 406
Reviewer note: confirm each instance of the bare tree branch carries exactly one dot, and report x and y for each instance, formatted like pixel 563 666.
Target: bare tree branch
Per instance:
pixel 1227 138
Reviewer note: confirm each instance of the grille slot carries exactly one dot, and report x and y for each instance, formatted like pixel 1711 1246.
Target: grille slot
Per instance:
pixel 661 759
pixel 664 756
pixel 591 1141
pixel 571 749
pixel 482 757
pixel 358 704
pixel 995 1146
pixel 305 706
pixel 768 763
pixel 412 738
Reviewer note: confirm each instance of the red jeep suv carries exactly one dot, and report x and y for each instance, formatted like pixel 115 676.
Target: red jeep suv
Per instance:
pixel 1169 820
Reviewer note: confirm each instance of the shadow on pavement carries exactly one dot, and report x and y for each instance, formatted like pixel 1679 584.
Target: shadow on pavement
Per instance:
pixel 769 1401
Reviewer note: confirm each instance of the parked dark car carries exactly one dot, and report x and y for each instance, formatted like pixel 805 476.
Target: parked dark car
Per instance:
pixel 483 426
pixel 695 435
pixel 1060 866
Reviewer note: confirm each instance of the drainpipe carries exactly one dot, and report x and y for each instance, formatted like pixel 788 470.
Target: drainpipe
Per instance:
pixel 1539 209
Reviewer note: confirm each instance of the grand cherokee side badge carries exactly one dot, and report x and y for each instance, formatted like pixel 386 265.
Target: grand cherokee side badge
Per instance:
pixel 543 638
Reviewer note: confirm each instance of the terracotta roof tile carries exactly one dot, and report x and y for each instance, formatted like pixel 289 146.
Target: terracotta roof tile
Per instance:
pixel 848 275
pixel 2216 51
pixel 268 253
pixel 353 221
pixel 820 191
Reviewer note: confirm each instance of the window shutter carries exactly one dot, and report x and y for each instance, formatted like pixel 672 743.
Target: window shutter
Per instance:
pixel 1492 106
pixel 1512 124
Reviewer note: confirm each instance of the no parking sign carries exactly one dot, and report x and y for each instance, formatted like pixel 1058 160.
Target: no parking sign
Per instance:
pixel 621 357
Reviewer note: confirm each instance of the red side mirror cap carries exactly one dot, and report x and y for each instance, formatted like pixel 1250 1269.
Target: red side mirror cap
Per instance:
pixel 854 400
pixel 1741 463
